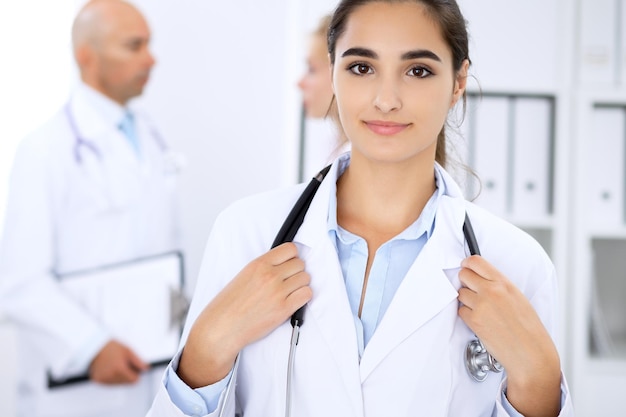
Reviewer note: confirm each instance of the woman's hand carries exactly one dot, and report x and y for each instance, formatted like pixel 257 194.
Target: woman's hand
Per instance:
pixel 259 299
pixel 507 324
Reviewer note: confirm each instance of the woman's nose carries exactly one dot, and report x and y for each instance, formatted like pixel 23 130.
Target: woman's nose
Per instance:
pixel 387 98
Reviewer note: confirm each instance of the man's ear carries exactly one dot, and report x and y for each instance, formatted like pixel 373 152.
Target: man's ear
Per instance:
pixel 84 56
pixel 460 82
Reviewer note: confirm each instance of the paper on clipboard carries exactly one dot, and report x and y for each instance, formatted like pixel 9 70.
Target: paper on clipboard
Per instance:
pixel 136 301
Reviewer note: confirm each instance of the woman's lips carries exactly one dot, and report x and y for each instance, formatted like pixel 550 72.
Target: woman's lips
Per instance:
pixel 385 128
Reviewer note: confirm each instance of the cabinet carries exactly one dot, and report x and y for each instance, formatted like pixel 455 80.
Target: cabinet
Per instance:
pixel 598 223
pixel 8 364
pixel 599 242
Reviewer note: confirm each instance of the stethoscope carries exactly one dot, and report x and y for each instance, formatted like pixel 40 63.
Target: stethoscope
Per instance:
pixel 173 163
pixel 478 361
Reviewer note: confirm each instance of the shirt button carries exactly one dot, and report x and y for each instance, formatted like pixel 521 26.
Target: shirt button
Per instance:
pixel 196 410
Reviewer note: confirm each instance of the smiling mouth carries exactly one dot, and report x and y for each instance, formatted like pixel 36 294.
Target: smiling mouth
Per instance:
pixel 385 128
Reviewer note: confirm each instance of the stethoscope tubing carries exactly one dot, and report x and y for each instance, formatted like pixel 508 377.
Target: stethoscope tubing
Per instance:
pixel 293 222
pixel 80 141
pixel 286 234
pixel 470 237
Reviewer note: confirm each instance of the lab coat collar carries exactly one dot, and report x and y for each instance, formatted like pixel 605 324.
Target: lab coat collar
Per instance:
pixel 315 223
pixel 117 170
pixel 450 213
pixel 97 119
pixel 95 114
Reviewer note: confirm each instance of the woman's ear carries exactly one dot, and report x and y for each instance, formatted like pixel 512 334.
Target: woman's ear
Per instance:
pixel 460 82
pixel 332 78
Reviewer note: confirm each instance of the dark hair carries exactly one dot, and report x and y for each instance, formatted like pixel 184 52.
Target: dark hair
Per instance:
pixel 445 13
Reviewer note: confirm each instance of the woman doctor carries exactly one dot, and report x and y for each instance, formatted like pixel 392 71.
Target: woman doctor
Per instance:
pixel 393 297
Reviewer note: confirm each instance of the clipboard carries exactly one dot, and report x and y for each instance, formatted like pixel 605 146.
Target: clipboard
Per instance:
pixel 139 301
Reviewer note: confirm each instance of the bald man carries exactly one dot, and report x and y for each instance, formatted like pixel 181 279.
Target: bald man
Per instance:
pixel 91 187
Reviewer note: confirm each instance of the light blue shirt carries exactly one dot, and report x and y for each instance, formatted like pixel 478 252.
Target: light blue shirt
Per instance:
pixel 391 263
pixel 127 127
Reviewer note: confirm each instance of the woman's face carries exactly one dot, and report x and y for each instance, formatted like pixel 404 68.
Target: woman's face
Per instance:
pixel 315 84
pixel 394 82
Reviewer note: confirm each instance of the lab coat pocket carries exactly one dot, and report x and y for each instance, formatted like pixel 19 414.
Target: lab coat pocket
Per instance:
pixel 87 195
pixel 93 190
pixel 261 383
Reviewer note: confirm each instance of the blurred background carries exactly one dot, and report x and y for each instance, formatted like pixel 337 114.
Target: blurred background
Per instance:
pixel 545 130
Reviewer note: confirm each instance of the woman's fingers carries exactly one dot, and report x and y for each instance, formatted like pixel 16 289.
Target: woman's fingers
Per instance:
pixel 504 319
pixel 281 253
pixel 262 296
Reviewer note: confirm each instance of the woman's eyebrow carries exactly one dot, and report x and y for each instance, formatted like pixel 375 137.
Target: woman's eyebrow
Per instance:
pixel 415 54
pixel 420 53
pixel 362 52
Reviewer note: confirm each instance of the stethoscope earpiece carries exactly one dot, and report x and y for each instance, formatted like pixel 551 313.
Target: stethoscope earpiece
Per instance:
pixel 479 362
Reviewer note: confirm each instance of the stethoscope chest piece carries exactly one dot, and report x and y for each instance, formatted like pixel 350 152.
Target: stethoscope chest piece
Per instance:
pixel 479 362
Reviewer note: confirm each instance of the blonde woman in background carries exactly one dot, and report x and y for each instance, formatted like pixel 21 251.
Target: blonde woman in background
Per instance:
pixel 327 140
pixel 315 84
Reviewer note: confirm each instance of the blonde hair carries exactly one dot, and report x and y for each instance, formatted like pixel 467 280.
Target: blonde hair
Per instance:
pixel 322 26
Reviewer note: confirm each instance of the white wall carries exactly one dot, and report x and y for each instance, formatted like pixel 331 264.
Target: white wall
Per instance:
pixel 35 73
pixel 222 94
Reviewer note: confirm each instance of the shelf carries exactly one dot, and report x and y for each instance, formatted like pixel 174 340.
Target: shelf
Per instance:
pixel 606 366
pixel 608 233
pixel 547 223
pixel 604 95
pixel 495 91
pixel 607 314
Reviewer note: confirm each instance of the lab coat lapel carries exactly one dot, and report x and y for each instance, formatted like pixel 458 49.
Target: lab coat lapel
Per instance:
pixel 329 311
pixel 115 168
pixel 119 169
pixel 425 292
pixel 90 129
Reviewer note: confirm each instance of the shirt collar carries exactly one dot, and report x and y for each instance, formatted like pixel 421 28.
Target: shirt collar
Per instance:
pixel 425 223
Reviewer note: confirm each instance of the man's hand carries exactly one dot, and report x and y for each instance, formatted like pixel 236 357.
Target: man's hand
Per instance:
pixel 116 364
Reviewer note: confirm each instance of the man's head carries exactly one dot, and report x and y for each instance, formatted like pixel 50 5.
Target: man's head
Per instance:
pixel 111 46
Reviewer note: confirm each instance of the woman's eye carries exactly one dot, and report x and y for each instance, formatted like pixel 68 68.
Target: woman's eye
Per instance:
pixel 419 72
pixel 361 69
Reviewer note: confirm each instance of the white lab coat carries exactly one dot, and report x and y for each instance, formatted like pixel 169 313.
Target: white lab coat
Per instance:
pixel 65 216
pixel 413 365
